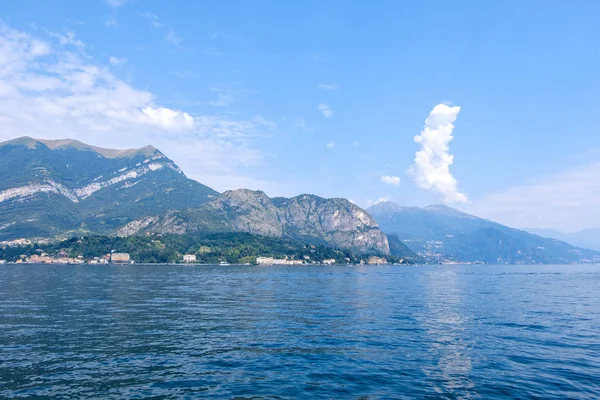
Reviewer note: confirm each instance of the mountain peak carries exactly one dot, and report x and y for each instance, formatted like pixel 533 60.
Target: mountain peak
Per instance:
pixel 22 141
pixel 61 144
pixel 385 207
pixel 446 210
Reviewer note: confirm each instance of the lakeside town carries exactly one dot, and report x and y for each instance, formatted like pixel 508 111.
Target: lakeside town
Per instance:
pixel 34 253
pixel 187 259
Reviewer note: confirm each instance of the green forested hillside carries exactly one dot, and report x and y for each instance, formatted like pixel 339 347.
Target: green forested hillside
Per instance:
pixel 209 248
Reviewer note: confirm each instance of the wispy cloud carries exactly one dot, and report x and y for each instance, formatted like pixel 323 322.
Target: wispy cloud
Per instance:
pixel 329 86
pixel 116 3
pixel 330 145
pixel 568 201
pixel 116 60
pixel 45 88
pixel 111 22
pixel 224 97
pixel 170 35
pixel 68 39
pixel 174 39
pixel 390 180
pixel 355 144
pixel 326 110
pixel 154 21
pixel 431 169
pixel 185 74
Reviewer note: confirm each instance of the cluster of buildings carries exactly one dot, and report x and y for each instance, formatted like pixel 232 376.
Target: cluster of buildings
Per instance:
pixel 44 258
pixel 277 261
pixel 376 260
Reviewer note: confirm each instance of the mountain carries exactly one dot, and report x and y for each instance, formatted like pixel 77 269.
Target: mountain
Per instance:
pixel 312 219
pixel 444 234
pixel 49 187
pixel 587 238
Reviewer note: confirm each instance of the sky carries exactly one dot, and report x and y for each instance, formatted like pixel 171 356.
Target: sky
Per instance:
pixel 490 107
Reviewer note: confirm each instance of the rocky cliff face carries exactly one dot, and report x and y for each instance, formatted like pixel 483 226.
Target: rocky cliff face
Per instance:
pixel 335 222
pixel 51 186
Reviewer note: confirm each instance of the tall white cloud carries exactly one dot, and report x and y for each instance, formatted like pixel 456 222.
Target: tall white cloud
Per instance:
pixel 431 169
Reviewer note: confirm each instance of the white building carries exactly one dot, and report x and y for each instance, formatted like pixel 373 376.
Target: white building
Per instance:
pixel 189 258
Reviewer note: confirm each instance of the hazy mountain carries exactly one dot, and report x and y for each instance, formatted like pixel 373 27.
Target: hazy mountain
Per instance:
pixel 52 186
pixel 444 234
pixel 588 238
pixel 335 222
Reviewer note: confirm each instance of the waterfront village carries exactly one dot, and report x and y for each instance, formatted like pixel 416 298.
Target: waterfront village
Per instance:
pixel 188 259
pixel 125 258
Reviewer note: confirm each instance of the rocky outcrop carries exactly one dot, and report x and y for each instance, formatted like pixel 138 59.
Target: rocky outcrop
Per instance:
pixel 335 222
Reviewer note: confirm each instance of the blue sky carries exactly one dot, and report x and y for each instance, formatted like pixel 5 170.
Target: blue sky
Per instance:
pixel 327 97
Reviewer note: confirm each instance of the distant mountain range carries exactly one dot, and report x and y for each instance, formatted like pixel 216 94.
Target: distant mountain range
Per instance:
pixel 62 188
pixel 65 187
pixel 443 234
pixel 588 238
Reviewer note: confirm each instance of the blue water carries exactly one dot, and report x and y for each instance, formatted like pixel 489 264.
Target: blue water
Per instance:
pixel 300 332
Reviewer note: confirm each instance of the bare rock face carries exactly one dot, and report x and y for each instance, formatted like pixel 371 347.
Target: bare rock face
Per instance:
pixel 335 222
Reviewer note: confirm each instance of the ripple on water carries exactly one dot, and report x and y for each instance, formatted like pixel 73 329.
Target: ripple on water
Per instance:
pixel 300 332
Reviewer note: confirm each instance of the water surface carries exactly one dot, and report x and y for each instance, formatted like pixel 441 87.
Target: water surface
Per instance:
pixel 300 332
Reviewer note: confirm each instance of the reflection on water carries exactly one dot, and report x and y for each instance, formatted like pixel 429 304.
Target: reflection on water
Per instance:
pixel 299 332
pixel 446 323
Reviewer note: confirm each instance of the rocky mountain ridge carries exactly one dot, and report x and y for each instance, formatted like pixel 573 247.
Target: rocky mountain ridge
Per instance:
pixel 335 222
pixel 66 187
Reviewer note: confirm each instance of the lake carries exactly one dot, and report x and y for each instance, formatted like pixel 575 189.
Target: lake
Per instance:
pixel 381 332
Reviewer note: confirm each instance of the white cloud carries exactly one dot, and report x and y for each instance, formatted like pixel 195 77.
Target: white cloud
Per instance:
pixel 116 60
pixel 568 201
pixel 116 3
pixel 390 180
pixel 431 169
pixel 49 92
pixel 329 86
pixel 67 39
pixel 330 145
pixel 326 110
pixel 355 144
